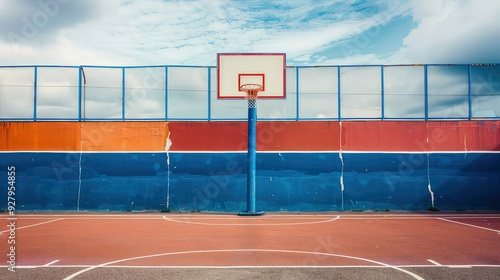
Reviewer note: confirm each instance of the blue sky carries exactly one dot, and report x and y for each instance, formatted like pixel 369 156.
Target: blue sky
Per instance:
pixel 192 32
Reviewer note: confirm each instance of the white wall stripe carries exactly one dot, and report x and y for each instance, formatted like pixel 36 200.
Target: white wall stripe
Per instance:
pixel 260 152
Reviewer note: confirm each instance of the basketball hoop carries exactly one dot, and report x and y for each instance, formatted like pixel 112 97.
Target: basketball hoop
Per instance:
pixel 251 93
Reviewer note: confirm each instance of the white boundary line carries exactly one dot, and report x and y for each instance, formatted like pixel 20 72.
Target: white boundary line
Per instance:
pixel 254 218
pixel 50 263
pixel 259 152
pixel 469 225
pixel 245 250
pixel 34 225
pixel 434 262
pixel 249 266
pixel 275 224
pixel 268 216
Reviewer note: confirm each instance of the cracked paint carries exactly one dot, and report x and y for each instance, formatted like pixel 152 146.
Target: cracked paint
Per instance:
pixel 465 145
pixel 342 170
pixel 429 187
pixel 168 144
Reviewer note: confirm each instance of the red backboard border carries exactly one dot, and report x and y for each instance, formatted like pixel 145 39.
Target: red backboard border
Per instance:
pixel 219 55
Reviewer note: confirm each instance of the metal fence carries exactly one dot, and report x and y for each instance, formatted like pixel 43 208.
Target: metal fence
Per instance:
pixel 170 92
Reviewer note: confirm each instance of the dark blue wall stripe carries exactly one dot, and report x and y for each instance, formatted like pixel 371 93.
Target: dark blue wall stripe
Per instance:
pixel 285 181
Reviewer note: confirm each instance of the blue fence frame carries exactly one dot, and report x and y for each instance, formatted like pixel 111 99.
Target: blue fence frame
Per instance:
pixel 493 84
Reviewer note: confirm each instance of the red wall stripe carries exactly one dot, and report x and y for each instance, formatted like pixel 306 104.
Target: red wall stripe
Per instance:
pixel 271 136
pixel 420 136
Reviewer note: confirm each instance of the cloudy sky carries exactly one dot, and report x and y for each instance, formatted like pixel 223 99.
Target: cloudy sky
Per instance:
pixel 192 32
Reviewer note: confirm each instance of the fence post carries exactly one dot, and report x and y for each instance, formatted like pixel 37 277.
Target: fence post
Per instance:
pixel 123 93
pixel 209 93
pixel 297 99
pixel 166 93
pixel 382 88
pixel 469 90
pixel 426 93
pixel 338 94
pixel 35 82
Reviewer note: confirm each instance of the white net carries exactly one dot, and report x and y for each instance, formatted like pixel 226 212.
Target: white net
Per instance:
pixel 252 103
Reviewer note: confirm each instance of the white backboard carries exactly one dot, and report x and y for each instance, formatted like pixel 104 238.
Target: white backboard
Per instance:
pixel 265 69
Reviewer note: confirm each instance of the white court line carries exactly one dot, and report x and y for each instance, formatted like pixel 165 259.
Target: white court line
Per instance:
pixel 268 216
pixel 180 217
pixel 156 215
pixel 419 216
pixel 259 152
pixel 250 266
pixel 252 218
pixel 275 224
pixel 434 262
pixel 245 250
pixel 50 263
pixel 469 225
pixel 160 216
pixel 18 228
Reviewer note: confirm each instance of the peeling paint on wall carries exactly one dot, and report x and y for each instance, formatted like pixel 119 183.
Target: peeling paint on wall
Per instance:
pixel 168 144
pixel 342 164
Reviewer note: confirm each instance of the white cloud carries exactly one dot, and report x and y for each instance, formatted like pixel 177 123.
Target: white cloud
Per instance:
pixel 452 31
pixel 192 32
pixel 185 32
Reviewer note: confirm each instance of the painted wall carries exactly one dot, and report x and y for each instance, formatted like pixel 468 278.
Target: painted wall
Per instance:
pixel 301 166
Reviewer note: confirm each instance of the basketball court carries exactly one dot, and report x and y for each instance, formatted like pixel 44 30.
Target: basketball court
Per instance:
pixel 251 245
pixel 282 246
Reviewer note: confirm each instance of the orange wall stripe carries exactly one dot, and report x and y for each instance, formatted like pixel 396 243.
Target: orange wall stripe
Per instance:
pixel 124 136
pixel 87 136
pixel 39 136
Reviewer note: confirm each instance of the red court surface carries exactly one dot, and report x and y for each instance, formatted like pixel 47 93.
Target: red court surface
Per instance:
pixel 378 245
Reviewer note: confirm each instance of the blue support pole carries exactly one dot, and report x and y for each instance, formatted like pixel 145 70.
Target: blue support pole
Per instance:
pixel 251 158
pixel 251 161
